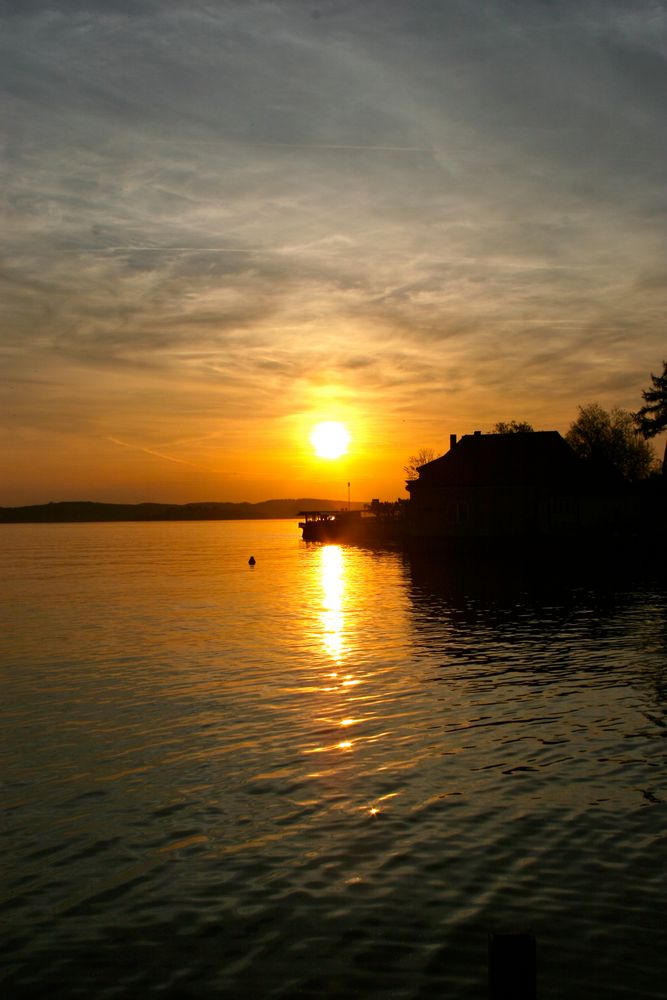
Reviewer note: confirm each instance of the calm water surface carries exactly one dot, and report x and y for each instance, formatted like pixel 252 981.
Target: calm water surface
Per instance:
pixel 325 776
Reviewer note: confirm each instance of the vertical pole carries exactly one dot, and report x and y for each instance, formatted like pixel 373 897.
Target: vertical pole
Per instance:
pixel 348 496
pixel 512 967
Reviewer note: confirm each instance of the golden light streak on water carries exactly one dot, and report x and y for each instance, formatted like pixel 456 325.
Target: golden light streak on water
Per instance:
pixel 332 568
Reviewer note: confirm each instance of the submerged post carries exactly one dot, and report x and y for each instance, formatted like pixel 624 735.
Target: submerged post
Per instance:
pixel 512 967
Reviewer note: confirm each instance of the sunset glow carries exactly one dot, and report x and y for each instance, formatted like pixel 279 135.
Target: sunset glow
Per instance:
pixel 219 245
pixel 330 439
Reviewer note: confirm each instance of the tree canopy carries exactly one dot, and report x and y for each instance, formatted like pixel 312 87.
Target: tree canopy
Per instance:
pixel 423 456
pixel 609 437
pixel 512 427
pixel 651 419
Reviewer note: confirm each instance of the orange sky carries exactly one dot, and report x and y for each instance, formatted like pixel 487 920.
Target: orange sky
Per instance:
pixel 225 224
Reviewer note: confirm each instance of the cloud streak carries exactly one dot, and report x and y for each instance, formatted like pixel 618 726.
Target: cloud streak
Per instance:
pixel 150 451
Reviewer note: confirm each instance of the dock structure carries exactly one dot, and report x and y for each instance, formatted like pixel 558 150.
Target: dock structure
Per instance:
pixel 330 525
pixel 377 524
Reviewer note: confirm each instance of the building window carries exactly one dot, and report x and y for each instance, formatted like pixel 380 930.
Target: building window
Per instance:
pixel 458 512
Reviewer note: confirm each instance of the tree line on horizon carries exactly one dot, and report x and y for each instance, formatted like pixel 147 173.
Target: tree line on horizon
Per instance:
pixel 615 437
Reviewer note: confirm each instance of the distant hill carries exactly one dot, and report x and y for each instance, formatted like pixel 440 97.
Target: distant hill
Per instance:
pixel 85 510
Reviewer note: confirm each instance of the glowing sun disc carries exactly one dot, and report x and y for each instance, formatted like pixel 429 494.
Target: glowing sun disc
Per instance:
pixel 330 439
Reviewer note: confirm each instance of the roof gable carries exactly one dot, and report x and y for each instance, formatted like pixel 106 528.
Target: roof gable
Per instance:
pixel 526 458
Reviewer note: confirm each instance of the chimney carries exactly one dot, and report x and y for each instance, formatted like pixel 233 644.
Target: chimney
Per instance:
pixel 452 442
pixel 478 434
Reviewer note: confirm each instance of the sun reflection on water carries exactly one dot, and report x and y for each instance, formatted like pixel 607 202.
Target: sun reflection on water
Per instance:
pixel 347 724
pixel 333 587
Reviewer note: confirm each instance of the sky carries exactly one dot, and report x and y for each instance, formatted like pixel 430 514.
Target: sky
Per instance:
pixel 223 222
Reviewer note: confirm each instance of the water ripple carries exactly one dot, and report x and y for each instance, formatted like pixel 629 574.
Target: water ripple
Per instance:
pixel 330 776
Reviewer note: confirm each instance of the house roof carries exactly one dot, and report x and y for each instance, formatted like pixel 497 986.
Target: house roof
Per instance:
pixel 523 458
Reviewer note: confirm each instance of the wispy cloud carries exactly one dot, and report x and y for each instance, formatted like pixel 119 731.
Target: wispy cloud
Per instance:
pixel 150 451
pixel 456 208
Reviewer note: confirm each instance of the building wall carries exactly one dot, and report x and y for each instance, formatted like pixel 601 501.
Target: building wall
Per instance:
pixel 473 511
pixel 515 511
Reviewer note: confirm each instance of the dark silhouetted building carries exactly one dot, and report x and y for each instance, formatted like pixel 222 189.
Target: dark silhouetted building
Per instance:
pixel 519 485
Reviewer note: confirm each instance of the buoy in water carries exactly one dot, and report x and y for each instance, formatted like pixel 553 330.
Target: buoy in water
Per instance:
pixel 251 561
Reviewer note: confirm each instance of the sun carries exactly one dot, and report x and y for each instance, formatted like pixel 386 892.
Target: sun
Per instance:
pixel 330 439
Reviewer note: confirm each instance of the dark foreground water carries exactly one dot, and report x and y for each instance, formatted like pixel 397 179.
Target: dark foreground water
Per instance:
pixel 326 776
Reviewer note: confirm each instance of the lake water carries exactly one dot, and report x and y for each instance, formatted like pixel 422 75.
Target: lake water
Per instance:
pixel 329 775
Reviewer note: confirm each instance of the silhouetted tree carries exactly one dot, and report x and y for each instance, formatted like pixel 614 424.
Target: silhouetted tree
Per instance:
pixel 652 418
pixel 423 456
pixel 512 427
pixel 609 437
